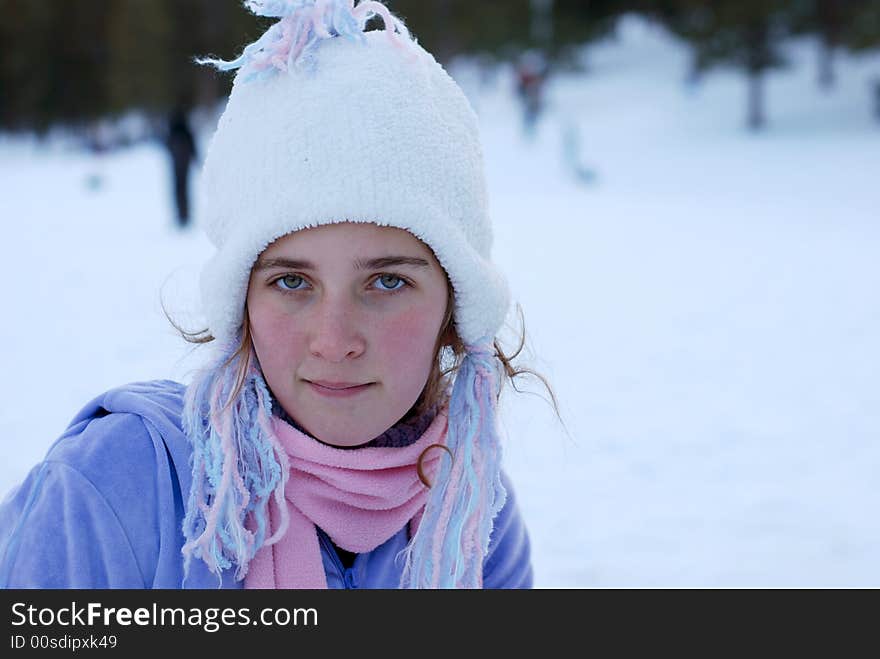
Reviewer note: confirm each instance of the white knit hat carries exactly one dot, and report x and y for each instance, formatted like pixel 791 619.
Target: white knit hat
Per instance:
pixel 327 123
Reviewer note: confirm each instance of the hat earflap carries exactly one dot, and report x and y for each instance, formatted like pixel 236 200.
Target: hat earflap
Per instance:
pixel 452 539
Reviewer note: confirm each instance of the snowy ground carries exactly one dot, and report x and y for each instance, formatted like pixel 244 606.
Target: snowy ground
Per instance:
pixel 706 310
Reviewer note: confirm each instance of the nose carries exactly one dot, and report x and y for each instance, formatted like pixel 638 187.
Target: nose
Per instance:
pixel 337 331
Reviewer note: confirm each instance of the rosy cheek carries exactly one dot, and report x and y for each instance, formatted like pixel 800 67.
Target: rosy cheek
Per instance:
pixel 277 339
pixel 408 333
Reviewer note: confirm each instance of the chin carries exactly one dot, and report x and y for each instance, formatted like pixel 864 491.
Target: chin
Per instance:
pixel 346 437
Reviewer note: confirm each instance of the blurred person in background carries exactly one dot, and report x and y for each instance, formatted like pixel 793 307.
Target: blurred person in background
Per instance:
pixel 182 148
pixel 532 70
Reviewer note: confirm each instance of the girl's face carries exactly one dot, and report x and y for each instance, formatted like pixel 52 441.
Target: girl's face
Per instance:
pixel 344 319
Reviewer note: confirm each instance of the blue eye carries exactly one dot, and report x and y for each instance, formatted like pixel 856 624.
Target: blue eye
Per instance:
pixel 390 282
pixel 290 283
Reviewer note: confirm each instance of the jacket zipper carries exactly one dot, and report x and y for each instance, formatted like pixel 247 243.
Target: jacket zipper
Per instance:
pixel 347 573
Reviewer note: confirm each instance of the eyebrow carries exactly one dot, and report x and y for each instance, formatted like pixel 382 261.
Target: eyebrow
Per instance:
pixel 369 264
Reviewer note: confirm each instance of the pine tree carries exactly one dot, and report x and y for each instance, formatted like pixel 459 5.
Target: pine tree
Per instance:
pixel 71 62
pixel 834 22
pixel 53 56
pixel 744 34
pixel 863 33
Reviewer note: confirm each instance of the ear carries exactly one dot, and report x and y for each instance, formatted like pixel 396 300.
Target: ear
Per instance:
pixel 447 334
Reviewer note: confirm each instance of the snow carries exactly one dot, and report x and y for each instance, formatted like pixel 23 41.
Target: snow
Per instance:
pixel 705 309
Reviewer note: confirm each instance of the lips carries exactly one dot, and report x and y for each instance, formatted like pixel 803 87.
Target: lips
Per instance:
pixel 338 386
pixel 331 390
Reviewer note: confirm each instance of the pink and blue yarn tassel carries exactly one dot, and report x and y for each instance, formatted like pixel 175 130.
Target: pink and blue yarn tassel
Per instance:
pixel 452 540
pixel 237 466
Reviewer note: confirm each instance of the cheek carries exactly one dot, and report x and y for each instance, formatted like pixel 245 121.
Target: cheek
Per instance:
pixel 276 339
pixel 410 335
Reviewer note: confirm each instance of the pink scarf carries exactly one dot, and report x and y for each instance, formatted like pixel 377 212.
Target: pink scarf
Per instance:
pixel 359 497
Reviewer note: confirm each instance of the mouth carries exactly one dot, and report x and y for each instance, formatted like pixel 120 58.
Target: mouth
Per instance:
pixel 338 389
pixel 338 385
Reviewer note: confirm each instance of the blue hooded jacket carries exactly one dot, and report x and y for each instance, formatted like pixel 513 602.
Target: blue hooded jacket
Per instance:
pixel 105 510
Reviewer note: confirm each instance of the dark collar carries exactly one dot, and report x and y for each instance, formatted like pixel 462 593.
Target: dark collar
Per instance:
pixel 403 433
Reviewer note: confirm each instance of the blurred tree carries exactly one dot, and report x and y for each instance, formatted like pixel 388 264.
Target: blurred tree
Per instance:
pixel 503 30
pixel 52 62
pixel 863 33
pixel 538 36
pixel 19 93
pixel 69 62
pixel 452 27
pixel 541 21
pixel 835 22
pixel 72 62
pixel 141 39
pixel 578 23
pixel 207 27
pixel 744 34
pixel 830 18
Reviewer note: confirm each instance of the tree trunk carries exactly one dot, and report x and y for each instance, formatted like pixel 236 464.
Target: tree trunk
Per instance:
pixel 446 47
pixel 756 101
pixel 541 26
pixel 876 90
pixel 759 60
pixel 826 64
pixel 830 24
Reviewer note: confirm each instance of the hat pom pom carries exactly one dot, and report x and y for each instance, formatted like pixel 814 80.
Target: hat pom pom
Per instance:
pixel 304 24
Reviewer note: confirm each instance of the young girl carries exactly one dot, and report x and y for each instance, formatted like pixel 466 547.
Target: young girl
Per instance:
pixel 343 433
